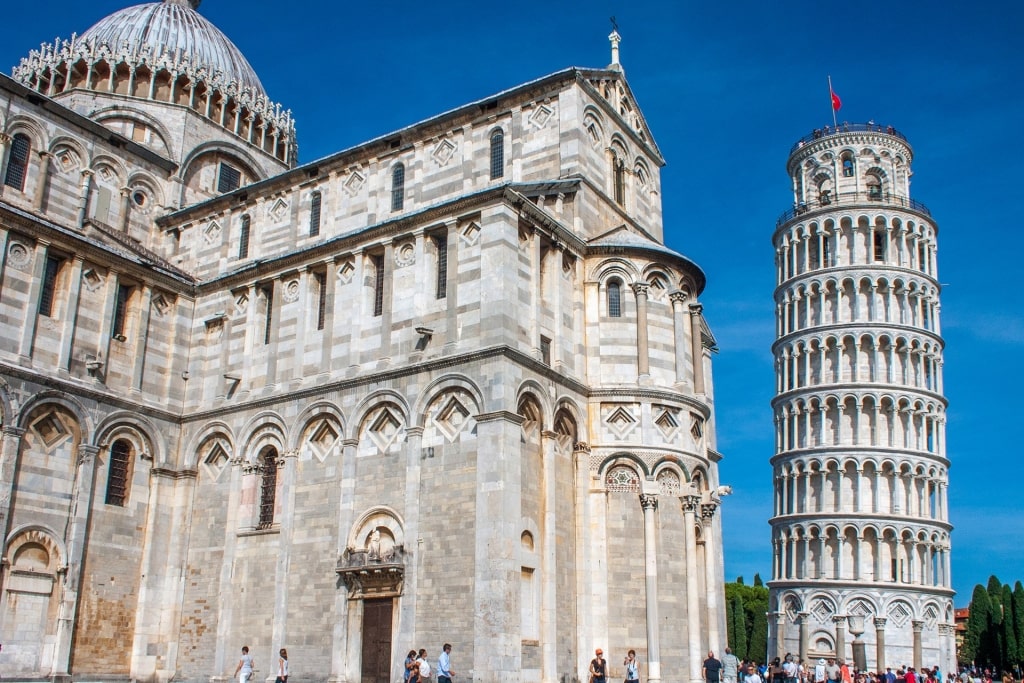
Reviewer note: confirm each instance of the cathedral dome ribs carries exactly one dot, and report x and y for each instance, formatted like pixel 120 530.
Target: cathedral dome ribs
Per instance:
pixel 165 52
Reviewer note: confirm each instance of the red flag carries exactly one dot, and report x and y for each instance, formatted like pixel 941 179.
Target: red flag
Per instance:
pixel 837 104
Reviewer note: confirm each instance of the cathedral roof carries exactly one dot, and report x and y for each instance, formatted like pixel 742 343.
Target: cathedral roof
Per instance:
pixel 174 28
pixel 622 237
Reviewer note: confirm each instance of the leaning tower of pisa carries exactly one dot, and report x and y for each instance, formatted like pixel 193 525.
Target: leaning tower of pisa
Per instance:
pixel 860 530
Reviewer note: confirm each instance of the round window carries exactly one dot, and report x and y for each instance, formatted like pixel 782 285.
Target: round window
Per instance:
pixel 139 197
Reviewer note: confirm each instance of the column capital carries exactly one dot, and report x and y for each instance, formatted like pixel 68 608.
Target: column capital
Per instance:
pixel 581 447
pixel 690 503
pixel 640 288
pixel 648 501
pixel 4 138
pixel 880 622
pixel 678 296
pixel 839 619
pixel 707 510
pixel 696 309
pixel 86 453
pixel 11 430
pixel 918 625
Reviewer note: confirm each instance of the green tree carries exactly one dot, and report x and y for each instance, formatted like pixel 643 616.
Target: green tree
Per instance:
pixel 757 581
pixel 1008 639
pixel 977 625
pixel 1018 619
pixel 757 647
pixel 738 627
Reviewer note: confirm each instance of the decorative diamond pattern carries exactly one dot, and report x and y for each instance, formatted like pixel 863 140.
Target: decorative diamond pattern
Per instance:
pixel 211 233
pixel 354 182
pixel 443 153
pixel 540 116
pixel 452 419
pixel 899 613
pixel 50 430
pixel 278 210
pixel 345 272
pixel 822 611
pixel 160 305
pixel 667 422
pixel 385 429
pixel 470 233
pixel 323 439
pixel 621 422
pixel 242 301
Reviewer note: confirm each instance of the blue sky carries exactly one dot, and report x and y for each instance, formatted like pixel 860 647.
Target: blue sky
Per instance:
pixel 726 89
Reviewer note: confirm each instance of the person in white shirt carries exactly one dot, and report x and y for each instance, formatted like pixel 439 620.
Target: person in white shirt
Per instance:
pixel 424 666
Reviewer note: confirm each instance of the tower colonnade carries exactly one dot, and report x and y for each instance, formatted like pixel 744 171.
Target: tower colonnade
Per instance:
pixel 860 530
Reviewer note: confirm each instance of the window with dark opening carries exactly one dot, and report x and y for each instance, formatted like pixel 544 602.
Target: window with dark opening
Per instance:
pixel 879 245
pixel 847 167
pixel 314 214
pixel 124 292
pixel 268 318
pixel 398 188
pixel 545 350
pixel 619 174
pixel 441 243
pixel 378 284
pixel 17 162
pixel 321 301
pixel 268 487
pixel 614 299
pixel 117 474
pixel 229 178
pixel 243 238
pixel 497 154
pixel 46 296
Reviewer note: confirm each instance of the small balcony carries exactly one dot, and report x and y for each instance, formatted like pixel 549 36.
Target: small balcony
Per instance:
pixel 827 131
pixel 829 201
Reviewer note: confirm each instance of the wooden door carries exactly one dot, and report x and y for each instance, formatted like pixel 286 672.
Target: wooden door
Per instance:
pixel 377 641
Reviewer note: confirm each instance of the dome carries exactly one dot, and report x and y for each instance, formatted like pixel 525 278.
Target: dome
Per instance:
pixel 174 28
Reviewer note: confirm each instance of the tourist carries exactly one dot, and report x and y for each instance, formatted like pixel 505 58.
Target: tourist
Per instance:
pixel 730 666
pixel 775 672
pixel 410 667
pixel 632 667
pixel 245 666
pixel 423 667
pixel 282 667
pixel 832 672
pixel 712 669
pixel 444 665
pixel 820 672
pixel 752 675
pixel 598 667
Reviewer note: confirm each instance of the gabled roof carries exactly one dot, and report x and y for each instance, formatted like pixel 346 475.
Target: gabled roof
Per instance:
pixel 633 119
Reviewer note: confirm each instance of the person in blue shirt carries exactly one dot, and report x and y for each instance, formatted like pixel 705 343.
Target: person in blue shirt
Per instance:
pixel 444 665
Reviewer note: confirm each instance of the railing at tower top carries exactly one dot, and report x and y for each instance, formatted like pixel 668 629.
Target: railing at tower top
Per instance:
pixel 830 201
pixel 821 133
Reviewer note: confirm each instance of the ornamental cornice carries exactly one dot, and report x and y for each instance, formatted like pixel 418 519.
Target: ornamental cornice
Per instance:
pixel 860 328
pixel 860 391
pixel 861 522
pixel 837 139
pixel 809 587
pixel 846 205
pixel 856 271
pixel 846 452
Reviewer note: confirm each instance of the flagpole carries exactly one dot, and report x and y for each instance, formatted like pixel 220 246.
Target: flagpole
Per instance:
pixel 832 103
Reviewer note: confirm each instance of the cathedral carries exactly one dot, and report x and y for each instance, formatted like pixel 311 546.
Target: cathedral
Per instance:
pixel 448 385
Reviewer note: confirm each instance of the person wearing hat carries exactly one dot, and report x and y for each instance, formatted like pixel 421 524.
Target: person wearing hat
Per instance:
pixel 819 672
pixel 598 667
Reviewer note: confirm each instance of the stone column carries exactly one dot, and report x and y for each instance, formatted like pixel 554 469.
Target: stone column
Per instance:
pixel 693 635
pixel 67 332
pixel 451 292
pixel 31 313
pixel 918 627
pixel 678 299
pixel 697 348
pixel 340 634
pixel 83 200
pixel 142 337
pixel 642 358
pixel 497 572
pixel 44 181
pixel 649 504
pixel 302 324
pixel 285 503
pixel 549 560
pixel 534 316
pixel 78 524
pixel 840 623
pixel 126 208
pixel 805 635
pixel 880 643
pixel 780 634
pixel 707 514
pixel 5 140
pixel 10 445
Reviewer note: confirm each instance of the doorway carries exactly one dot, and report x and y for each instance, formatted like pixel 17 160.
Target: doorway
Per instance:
pixel 377 641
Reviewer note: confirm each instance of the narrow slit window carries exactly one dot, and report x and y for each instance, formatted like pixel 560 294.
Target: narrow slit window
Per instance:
pixel 268 488
pixel 243 238
pixel 497 154
pixel 117 474
pixel 378 284
pixel 441 243
pixel 619 173
pixel 46 296
pixel 545 350
pixel 314 214
pixel 17 162
pixel 879 245
pixel 124 293
pixel 321 302
pixel 614 299
pixel 268 318
pixel 398 188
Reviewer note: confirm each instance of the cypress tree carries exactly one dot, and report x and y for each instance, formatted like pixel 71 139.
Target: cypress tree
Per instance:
pixel 757 581
pixel 758 646
pixel 977 625
pixel 1008 641
pixel 1018 620
pixel 730 625
pixel 739 615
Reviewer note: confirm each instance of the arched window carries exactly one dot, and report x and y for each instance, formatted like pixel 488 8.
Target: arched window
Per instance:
pixel 879 244
pixel 314 213
pixel 619 179
pixel 847 166
pixel 117 475
pixel 268 487
pixel 497 154
pixel 874 188
pixel 243 239
pixel 398 188
pixel 17 162
pixel 614 299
